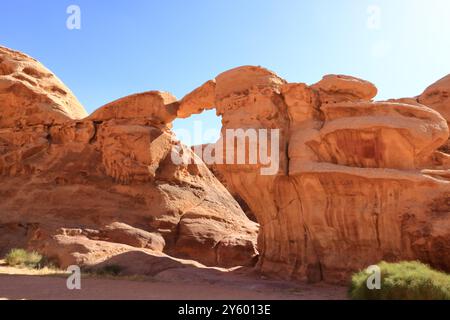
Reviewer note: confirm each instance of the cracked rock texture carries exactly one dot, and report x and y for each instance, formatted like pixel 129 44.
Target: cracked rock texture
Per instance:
pixel 82 189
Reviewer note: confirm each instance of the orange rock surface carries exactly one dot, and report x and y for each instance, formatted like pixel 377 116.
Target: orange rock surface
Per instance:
pixel 358 181
pixel 32 95
pixel 437 97
pixel 83 189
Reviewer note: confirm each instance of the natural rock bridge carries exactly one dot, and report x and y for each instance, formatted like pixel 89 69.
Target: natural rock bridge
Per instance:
pixel 359 181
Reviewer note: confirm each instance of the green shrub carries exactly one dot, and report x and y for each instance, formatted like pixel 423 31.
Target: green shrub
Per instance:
pixel 23 258
pixel 403 281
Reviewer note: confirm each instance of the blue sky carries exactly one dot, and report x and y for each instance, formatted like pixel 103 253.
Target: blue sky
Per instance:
pixel 131 46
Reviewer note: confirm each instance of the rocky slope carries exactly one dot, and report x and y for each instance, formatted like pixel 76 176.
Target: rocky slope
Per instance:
pixel 85 189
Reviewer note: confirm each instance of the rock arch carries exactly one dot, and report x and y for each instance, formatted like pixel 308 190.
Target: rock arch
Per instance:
pixel 359 181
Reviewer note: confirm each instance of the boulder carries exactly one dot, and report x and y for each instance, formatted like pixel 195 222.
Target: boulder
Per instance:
pixel 159 107
pixel 437 97
pixel 340 88
pixel 30 94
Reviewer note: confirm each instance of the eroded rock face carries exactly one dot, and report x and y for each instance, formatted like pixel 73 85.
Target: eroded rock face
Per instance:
pixel 160 107
pixel 84 189
pixel 340 88
pixel 437 97
pixel 358 182
pixel 30 94
pixel 198 100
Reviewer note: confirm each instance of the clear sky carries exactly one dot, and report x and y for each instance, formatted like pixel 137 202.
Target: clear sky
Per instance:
pixel 124 47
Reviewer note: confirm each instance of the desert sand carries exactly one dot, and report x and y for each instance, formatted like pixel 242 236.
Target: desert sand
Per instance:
pixel 27 284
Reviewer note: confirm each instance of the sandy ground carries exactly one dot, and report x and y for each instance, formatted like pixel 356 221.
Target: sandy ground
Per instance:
pixel 172 284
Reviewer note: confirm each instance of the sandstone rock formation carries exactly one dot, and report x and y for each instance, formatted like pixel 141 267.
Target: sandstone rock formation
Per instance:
pixel 32 95
pixel 85 189
pixel 437 97
pixel 359 181
pixel 200 149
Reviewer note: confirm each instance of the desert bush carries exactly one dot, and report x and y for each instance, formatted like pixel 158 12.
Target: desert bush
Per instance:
pixel 403 281
pixel 23 258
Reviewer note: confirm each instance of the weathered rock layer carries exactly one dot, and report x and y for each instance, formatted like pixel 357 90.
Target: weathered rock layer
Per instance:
pixel 84 189
pixel 358 182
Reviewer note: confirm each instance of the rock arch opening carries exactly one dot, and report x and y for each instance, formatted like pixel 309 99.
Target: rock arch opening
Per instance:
pixel 198 129
pixel 202 129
